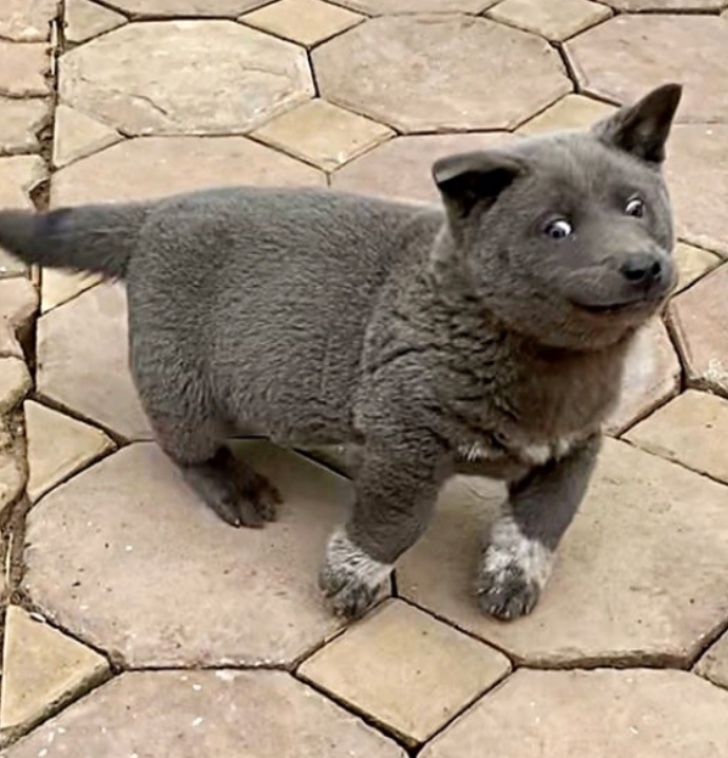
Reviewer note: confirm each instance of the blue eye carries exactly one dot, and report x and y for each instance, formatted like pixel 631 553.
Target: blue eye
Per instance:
pixel 559 229
pixel 635 207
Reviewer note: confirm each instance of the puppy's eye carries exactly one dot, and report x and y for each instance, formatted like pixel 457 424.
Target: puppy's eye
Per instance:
pixel 635 207
pixel 558 229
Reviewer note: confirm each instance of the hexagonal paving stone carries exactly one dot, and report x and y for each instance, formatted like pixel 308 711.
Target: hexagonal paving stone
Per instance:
pixel 402 167
pixel 692 430
pixel 187 8
pixel 651 377
pixel 25 21
pixel 714 664
pixel 84 19
pixel 406 670
pixel 205 713
pixel 571 112
pixel 154 78
pixel 667 5
pixel 642 573
pixel 128 558
pixel 624 57
pixel 479 74
pixel 555 20
pixel 42 669
pixel 384 7
pixel 697 175
pixel 697 318
pixel 571 714
pixel 83 361
pixel 693 263
pixel 20 122
pixel 25 69
pixel 139 169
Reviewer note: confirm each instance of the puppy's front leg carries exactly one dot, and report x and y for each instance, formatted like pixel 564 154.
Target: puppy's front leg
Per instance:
pixel 395 494
pixel 519 558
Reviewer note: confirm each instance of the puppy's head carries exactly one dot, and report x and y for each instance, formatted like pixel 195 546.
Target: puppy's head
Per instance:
pixel 568 238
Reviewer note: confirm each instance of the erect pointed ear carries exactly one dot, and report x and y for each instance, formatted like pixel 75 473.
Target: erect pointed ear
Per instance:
pixel 643 128
pixel 467 179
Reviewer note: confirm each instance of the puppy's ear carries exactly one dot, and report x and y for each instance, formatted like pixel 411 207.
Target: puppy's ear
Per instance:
pixel 469 179
pixel 643 128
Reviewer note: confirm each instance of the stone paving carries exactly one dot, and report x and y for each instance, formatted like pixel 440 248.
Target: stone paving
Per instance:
pixel 136 625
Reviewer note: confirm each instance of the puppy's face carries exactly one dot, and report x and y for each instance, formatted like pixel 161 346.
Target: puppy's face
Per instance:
pixel 568 238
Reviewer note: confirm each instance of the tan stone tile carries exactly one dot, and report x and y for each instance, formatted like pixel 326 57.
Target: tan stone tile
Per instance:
pixel 139 169
pixel 306 22
pixel 323 134
pixel 83 361
pixel 697 317
pixel 571 112
pixel 692 429
pixel 20 122
pixel 24 69
pixel 15 383
pixel 164 582
pixel 12 477
pixel 266 714
pixel 84 19
pixel 652 376
pixel 42 668
pixel 154 78
pixel 18 301
pixel 187 8
pixel 385 7
pixel 59 286
pixel 406 670
pixel 58 446
pixel 714 664
pixel 627 55
pixel 402 168
pixel 555 19
pixel 667 5
pixel 692 264
pixel 697 177
pixel 26 20
pixel 599 714
pixel 438 73
pixel 641 573
pixel 77 135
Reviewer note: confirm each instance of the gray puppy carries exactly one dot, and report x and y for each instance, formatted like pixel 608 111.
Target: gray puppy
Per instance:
pixel 488 338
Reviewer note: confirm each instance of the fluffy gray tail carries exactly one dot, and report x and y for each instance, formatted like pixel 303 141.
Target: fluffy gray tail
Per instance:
pixel 98 238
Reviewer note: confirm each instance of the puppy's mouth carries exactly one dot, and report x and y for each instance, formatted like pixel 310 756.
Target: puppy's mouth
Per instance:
pixel 628 307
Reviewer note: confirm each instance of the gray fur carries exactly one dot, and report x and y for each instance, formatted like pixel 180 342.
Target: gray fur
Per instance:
pixel 469 340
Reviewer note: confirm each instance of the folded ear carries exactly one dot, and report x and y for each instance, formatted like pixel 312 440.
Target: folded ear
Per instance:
pixel 643 128
pixel 468 179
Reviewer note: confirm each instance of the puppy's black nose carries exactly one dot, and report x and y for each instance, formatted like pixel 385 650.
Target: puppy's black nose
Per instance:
pixel 642 268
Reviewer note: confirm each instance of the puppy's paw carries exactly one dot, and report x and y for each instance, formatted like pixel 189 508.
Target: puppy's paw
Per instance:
pixel 350 578
pixel 513 573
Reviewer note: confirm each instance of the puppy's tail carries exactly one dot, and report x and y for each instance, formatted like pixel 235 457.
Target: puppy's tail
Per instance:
pixel 97 238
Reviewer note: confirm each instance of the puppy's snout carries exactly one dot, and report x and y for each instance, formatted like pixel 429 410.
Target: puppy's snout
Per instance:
pixel 642 268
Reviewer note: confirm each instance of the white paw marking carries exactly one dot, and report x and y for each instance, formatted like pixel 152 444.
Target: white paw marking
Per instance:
pixel 509 548
pixel 342 555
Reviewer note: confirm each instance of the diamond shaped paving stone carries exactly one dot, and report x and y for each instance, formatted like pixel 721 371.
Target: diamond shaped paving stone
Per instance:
pixel 431 73
pixel 714 664
pixel 402 167
pixel 83 20
pixel 27 20
pixel 306 22
pixel 154 78
pixel 624 57
pixel 83 364
pixel 20 122
pixel 692 430
pixel 651 376
pixel 42 669
pixel 572 714
pixel 667 5
pixel 697 176
pixel 692 263
pixel 74 445
pixel 642 573
pixel 76 135
pixel 555 20
pixel 125 556
pixel 323 134
pixel 25 69
pixel 697 318
pixel 406 670
pixel 18 301
pixel 571 112
pixel 383 7
pixel 187 8
pixel 205 714
pixel 155 166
